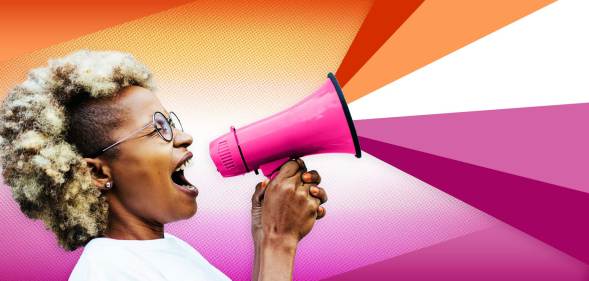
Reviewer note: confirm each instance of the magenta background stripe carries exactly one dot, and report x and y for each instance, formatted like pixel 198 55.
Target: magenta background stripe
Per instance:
pixel 554 214
pixel 547 143
pixel 496 253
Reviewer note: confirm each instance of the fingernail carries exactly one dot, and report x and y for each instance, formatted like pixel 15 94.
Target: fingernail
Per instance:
pixel 314 189
pixel 264 183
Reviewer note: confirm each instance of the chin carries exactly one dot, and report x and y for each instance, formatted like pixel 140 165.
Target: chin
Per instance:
pixel 190 212
pixel 193 212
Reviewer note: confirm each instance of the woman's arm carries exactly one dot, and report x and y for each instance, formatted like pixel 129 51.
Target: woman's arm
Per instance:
pixel 274 260
pixel 283 211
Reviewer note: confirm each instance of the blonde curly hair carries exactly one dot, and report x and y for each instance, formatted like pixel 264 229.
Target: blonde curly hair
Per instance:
pixel 48 123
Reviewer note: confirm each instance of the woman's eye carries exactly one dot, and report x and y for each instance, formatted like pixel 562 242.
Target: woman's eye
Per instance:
pixel 159 124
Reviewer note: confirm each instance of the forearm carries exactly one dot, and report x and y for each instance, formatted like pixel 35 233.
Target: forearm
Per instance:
pixel 257 254
pixel 274 259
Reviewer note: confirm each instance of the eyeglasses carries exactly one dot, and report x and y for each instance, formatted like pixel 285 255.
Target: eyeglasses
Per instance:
pixel 162 125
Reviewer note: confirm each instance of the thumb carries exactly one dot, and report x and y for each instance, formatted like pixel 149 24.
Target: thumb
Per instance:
pixel 258 196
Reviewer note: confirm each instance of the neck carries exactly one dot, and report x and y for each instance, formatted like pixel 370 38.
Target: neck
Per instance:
pixel 125 225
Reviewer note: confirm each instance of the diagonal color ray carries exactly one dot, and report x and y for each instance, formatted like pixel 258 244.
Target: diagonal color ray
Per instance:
pixel 496 253
pixel 34 24
pixel 211 56
pixel 548 212
pixel 384 18
pixel 436 29
pixel 226 44
pixel 538 60
pixel 544 143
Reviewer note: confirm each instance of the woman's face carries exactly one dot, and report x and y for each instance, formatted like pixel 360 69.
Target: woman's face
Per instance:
pixel 142 172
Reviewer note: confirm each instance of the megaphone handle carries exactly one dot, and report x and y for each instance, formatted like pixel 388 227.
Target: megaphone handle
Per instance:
pixel 270 169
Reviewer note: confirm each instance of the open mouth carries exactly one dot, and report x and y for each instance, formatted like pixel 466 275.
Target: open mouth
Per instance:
pixel 178 174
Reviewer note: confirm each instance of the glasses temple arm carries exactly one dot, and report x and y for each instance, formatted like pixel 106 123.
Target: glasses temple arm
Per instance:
pixel 127 137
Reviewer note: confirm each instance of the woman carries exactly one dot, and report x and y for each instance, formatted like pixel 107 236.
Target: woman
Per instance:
pixel 87 147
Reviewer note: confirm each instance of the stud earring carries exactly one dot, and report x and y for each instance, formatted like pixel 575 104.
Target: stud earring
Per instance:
pixel 108 185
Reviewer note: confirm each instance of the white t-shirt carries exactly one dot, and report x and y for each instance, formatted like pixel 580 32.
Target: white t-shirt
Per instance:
pixel 168 258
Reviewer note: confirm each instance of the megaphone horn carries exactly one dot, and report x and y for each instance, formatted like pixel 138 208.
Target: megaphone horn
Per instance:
pixel 320 123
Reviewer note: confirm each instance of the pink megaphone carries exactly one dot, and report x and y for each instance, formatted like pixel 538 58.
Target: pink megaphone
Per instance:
pixel 320 123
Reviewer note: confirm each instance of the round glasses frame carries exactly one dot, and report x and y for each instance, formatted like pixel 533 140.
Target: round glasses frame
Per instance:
pixel 169 122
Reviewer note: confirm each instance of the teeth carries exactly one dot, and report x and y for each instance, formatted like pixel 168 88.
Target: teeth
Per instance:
pixel 188 187
pixel 184 165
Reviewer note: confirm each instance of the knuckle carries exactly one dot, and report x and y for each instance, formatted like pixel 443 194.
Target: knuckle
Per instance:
pixel 300 194
pixel 284 183
pixel 288 167
pixel 314 203
pixel 291 185
pixel 289 190
pixel 312 212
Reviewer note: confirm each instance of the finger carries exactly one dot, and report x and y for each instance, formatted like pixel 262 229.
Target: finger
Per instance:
pixel 318 193
pixel 288 170
pixel 311 177
pixel 298 176
pixel 321 211
pixel 258 195
pixel 301 163
pixel 305 190
pixel 315 203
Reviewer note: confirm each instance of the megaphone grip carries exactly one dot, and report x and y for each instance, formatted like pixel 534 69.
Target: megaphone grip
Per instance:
pixel 270 169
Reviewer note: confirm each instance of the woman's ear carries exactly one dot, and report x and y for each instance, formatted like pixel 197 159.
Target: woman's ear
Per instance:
pixel 100 173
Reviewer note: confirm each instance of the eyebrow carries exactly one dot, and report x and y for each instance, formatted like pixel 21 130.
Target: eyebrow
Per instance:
pixel 167 114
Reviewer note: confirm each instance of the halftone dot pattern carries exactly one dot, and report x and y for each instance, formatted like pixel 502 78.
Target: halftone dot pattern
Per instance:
pixel 28 250
pixel 34 24
pixel 230 63
pixel 212 41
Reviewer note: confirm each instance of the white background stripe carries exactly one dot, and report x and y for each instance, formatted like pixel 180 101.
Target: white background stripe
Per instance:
pixel 541 59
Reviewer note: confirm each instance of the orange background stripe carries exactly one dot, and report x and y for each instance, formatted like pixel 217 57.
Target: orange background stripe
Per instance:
pixel 436 29
pixel 384 18
pixel 28 25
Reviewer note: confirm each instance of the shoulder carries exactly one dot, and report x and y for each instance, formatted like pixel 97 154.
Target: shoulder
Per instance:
pixel 179 242
pixel 101 251
pixel 190 253
pixel 101 261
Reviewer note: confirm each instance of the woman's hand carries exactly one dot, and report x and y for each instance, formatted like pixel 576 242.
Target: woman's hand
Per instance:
pixel 309 181
pixel 284 210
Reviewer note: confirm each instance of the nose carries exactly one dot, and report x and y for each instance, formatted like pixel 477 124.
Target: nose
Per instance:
pixel 182 139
